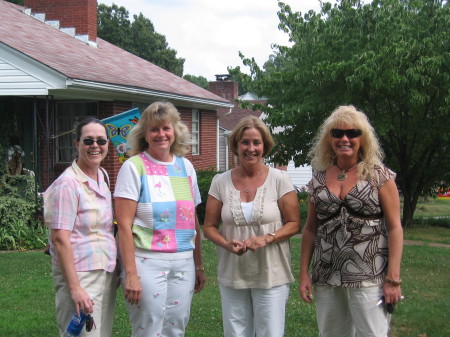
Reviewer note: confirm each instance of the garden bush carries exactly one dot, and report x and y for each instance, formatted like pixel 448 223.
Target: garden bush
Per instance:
pixel 20 224
pixel 204 178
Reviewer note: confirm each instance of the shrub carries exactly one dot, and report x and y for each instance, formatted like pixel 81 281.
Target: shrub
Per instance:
pixel 20 226
pixel 432 222
pixel 204 178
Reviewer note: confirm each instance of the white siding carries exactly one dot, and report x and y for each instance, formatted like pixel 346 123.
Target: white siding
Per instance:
pixel 300 176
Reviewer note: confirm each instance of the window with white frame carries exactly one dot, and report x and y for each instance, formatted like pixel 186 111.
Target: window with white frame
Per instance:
pixel 68 115
pixel 195 131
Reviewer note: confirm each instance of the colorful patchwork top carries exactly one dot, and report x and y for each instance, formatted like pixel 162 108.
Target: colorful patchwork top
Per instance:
pixel 167 194
pixel 351 247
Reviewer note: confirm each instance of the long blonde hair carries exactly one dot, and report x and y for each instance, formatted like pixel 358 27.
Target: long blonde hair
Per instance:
pixel 155 114
pixel 370 152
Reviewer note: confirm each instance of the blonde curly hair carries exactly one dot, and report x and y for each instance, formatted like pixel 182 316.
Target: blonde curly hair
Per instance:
pixel 370 152
pixel 159 113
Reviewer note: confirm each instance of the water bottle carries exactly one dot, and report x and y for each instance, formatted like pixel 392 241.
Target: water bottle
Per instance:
pixel 75 326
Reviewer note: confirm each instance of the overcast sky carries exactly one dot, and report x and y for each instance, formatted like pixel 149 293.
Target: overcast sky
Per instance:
pixel 209 34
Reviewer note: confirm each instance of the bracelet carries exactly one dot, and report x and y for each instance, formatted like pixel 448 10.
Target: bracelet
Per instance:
pixel 200 269
pixel 392 281
pixel 273 235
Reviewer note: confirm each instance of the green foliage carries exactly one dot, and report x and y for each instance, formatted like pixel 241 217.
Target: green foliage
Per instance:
pixel 204 178
pixel 198 80
pixel 17 2
pixel 20 226
pixel 244 80
pixel 432 222
pixel 137 37
pixel 389 58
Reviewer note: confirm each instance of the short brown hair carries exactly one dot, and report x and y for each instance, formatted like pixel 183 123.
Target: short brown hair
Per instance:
pixel 248 123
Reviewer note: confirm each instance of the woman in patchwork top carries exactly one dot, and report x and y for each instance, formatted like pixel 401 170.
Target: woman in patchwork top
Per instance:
pixel 156 196
pixel 353 229
pixel 251 212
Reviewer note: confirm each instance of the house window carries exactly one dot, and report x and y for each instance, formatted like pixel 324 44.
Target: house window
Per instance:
pixel 69 114
pixel 195 131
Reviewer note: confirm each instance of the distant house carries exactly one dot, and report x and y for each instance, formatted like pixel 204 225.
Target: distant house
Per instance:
pixel 55 71
pixel 228 118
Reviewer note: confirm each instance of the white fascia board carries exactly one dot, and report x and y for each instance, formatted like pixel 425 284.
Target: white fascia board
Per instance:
pixel 77 83
pixel 51 78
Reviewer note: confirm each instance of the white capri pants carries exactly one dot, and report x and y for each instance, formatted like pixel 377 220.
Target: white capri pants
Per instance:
pixel 167 290
pixel 254 312
pixel 349 312
pixel 101 286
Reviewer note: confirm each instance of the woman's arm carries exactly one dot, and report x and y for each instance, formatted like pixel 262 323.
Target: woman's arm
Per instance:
pixel 125 213
pixel 211 227
pixel 308 239
pixel 199 271
pixel 390 202
pixel 290 213
pixel 61 241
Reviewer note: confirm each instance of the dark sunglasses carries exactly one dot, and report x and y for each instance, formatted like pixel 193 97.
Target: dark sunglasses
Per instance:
pixel 350 133
pixel 90 141
pixel 90 323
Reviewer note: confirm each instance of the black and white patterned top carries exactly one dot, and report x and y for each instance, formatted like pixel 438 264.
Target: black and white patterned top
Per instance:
pixel 351 247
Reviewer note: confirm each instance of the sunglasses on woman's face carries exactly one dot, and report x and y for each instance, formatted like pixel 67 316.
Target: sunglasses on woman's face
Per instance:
pixel 90 141
pixel 350 133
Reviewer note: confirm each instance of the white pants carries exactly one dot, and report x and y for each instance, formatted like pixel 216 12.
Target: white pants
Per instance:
pixel 101 285
pixel 254 312
pixel 349 312
pixel 167 290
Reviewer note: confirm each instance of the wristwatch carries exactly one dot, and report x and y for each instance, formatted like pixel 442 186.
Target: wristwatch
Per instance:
pixel 272 234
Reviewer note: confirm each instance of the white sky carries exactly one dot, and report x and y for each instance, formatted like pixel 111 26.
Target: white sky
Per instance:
pixel 209 34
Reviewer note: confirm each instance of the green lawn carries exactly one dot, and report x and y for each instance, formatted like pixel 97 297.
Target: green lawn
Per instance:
pixel 432 208
pixel 27 298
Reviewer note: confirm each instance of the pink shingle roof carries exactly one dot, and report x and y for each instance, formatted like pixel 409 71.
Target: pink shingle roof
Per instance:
pixel 78 60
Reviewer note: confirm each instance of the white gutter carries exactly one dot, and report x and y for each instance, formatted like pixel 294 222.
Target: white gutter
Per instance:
pixel 76 83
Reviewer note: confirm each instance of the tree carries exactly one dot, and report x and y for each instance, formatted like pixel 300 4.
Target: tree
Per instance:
pixel 137 37
pixel 198 80
pixel 390 59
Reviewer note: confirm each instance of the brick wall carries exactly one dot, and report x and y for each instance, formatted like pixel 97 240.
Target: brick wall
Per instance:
pixel 207 158
pixel 79 14
pixel 225 89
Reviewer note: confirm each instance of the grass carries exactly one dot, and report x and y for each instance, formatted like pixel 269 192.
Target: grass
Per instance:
pixel 431 208
pixel 27 299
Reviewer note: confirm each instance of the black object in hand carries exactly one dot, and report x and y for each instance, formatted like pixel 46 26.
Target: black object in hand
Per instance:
pixel 90 323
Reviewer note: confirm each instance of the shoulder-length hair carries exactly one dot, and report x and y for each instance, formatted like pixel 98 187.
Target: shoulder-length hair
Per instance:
pixel 159 113
pixel 248 123
pixel 370 152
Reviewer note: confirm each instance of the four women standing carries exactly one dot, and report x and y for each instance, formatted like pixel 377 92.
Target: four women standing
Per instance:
pixel 353 230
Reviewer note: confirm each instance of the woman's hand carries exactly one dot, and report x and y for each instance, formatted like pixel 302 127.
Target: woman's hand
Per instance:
pixel 256 242
pixel 392 293
pixel 200 280
pixel 236 247
pixel 133 288
pixel 82 300
pixel 305 287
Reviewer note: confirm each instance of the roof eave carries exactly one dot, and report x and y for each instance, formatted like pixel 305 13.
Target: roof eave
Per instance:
pixel 109 91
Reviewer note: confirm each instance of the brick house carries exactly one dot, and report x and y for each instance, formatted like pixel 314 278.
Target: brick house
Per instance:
pixel 228 119
pixel 55 71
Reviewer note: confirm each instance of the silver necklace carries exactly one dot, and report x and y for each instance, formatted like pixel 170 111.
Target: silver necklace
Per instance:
pixel 343 174
pixel 247 190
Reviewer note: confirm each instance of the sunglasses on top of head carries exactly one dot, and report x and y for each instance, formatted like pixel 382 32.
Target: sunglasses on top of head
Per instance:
pixel 350 133
pixel 90 141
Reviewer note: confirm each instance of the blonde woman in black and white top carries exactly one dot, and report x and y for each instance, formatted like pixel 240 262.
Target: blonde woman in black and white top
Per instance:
pixel 353 230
